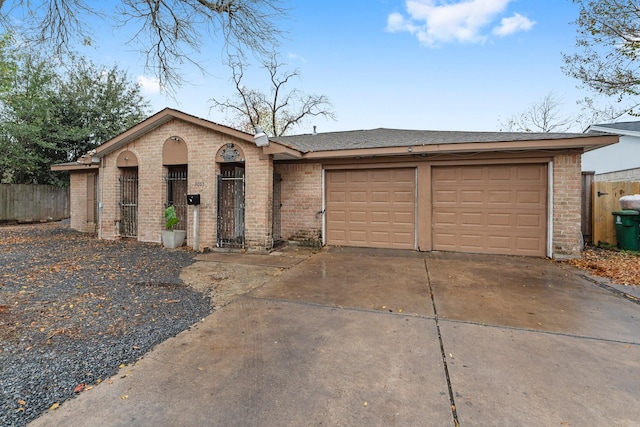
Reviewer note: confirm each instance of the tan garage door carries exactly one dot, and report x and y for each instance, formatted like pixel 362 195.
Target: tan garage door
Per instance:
pixel 497 209
pixel 371 208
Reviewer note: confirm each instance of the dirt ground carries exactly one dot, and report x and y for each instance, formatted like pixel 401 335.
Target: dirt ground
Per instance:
pixel 225 276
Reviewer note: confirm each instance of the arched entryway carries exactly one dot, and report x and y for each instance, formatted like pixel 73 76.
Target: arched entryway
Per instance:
pixel 231 200
pixel 127 163
pixel 175 160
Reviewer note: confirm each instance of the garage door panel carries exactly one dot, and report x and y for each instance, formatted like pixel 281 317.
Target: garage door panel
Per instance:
pixel 338 215
pixel 472 196
pixel 406 197
pixel 532 197
pixel 472 218
pixel 380 197
pixel 379 205
pixel 444 196
pixel 499 219
pixel 406 218
pixel 359 217
pixel 498 209
pixel 470 175
pixel 499 197
pixel 382 218
pixel 529 220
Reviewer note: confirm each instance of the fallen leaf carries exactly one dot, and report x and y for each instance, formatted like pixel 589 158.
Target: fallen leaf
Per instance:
pixel 365 403
pixel 125 396
pixel 79 388
pixel 54 406
pixel 21 402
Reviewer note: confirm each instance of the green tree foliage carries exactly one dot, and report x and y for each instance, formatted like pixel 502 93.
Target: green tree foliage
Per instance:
pixel 94 104
pixel 51 114
pixel 608 45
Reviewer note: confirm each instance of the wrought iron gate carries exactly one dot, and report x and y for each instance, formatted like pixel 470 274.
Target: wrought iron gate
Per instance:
pixel 276 231
pixel 231 208
pixel 129 203
pixel 177 194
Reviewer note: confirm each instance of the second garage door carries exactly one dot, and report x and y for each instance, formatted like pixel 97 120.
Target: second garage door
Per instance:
pixel 497 209
pixel 371 208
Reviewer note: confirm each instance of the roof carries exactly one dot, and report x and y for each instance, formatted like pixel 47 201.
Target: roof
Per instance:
pixel 620 128
pixel 158 120
pixel 393 142
pixel 385 138
pixel 373 142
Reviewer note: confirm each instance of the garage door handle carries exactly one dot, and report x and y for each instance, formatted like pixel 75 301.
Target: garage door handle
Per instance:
pixel 602 194
pixel 321 212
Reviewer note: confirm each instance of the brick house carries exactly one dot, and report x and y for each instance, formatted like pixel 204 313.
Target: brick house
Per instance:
pixel 482 192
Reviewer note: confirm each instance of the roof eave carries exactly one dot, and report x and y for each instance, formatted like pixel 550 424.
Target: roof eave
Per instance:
pixel 159 119
pixel 608 130
pixel 550 144
pixel 73 166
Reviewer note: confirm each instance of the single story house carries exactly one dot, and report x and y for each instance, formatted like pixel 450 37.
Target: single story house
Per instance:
pixel 481 192
pixel 619 162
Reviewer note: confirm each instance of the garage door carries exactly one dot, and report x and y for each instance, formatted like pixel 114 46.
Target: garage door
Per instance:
pixel 497 209
pixel 371 208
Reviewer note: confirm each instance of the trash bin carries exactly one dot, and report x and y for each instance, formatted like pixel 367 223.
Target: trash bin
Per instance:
pixel 628 229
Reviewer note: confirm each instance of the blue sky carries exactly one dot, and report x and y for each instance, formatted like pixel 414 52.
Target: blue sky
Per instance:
pixel 418 64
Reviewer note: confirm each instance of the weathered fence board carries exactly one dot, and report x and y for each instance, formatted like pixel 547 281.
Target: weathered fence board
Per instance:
pixel 605 196
pixel 25 203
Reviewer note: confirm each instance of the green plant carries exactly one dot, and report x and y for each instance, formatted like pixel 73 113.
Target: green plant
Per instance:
pixel 171 217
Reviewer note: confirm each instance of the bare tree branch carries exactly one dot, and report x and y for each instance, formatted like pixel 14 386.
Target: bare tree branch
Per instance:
pixel 168 32
pixel 284 109
pixel 541 116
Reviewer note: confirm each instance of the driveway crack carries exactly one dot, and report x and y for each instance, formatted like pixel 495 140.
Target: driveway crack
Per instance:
pixel 452 399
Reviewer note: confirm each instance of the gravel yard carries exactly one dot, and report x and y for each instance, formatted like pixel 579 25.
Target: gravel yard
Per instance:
pixel 73 309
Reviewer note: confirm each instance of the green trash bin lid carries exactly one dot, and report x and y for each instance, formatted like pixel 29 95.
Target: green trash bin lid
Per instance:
pixel 626 212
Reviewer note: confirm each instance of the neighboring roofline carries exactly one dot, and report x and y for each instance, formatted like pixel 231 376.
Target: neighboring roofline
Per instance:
pixel 605 129
pixel 545 144
pixel 73 166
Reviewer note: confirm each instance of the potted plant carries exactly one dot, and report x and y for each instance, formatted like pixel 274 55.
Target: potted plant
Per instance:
pixel 172 238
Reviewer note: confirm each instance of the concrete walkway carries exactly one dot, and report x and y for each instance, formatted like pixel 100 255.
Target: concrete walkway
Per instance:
pixel 374 337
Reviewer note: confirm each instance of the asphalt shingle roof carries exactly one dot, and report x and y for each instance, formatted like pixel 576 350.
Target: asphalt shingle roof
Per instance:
pixel 624 126
pixel 383 138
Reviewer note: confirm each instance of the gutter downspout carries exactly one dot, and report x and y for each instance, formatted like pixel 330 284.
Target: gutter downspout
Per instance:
pixel 100 193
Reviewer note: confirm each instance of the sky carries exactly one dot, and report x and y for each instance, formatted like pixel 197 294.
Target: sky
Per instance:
pixel 405 64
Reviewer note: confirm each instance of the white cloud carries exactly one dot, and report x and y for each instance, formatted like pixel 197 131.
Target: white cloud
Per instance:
pixel 295 56
pixel 149 85
pixel 513 24
pixel 439 21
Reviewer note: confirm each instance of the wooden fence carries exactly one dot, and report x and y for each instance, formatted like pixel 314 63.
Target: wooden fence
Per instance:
pixel 28 203
pixel 605 200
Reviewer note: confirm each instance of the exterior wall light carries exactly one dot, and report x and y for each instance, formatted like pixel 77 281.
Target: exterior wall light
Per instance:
pixel 261 138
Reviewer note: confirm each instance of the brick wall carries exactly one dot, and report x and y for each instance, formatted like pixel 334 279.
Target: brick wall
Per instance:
pixel 202 145
pixel 78 202
pixel 567 195
pixel 301 202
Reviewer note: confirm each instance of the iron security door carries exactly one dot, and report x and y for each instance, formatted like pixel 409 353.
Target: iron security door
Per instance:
pixel 129 203
pixel 230 209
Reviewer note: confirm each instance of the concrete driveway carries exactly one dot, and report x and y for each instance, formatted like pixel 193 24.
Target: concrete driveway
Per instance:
pixel 375 337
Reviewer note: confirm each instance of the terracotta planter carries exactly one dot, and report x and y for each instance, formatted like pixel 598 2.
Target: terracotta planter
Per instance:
pixel 172 239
